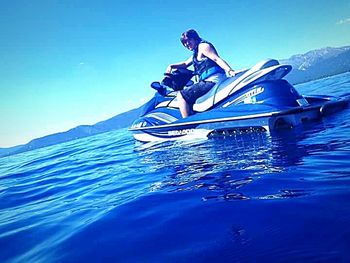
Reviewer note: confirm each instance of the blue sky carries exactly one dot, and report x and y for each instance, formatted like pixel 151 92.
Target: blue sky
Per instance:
pixel 66 63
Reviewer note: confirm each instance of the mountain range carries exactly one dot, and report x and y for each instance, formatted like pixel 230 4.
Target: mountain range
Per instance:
pixel 318 64
pixel 312 65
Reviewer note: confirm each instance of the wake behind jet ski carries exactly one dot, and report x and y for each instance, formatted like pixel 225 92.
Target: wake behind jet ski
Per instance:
pixel 255 99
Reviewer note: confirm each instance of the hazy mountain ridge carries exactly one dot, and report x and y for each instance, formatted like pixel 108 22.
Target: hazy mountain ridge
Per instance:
pixel 117 122
pixel 318 63
pixel 305 61
pixel 312 65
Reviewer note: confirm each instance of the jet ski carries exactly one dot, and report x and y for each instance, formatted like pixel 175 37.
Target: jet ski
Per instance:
pixel 255 99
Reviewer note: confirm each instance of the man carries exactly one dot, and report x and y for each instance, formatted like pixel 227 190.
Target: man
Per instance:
pixel 207 65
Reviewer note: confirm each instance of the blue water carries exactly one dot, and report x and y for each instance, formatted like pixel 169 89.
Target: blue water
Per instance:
pixel 252 197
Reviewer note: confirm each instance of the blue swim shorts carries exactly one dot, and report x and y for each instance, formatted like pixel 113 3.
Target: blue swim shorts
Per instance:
pixel 193 92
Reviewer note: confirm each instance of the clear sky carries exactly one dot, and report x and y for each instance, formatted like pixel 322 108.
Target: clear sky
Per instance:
pixel 64 63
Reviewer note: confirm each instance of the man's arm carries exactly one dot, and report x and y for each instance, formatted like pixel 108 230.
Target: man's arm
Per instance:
pixel 208 51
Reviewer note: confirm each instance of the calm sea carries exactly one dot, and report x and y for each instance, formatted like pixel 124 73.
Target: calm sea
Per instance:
pixel 253 197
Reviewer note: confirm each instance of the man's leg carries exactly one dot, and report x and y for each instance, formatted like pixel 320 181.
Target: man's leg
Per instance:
pixel 185 108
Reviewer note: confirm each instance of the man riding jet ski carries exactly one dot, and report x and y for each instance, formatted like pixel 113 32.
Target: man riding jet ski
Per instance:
pixel 208 66
pixel 254 99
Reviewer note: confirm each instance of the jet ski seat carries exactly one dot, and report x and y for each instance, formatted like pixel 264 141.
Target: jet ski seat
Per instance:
pixel 245 77
pixel 207 100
